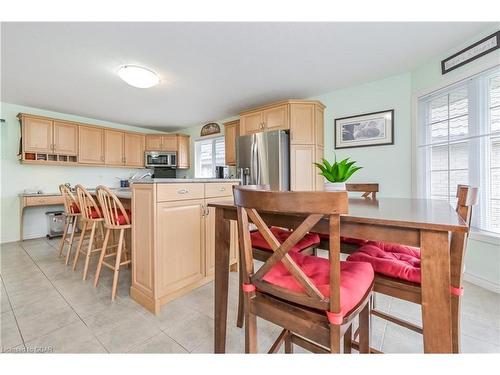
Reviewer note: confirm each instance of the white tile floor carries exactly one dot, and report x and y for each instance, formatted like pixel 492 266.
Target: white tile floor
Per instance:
pixel 46 307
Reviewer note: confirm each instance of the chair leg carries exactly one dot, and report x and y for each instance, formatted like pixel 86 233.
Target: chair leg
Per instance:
pixel 63 238
pixel 89 250
pixel 101 257
pixel 364 329
pixel 348 340
pixel 71 238
pixel 335 338
pixel 117 264
pixel 240 319
pixel 250 327
pixel 288 343
pixel 455 323
pixel 80 243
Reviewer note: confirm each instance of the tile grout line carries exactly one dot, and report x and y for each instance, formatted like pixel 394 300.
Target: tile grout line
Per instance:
pixel 13 313
pixel 62 296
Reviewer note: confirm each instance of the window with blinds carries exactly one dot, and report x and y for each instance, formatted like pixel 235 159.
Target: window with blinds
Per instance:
pixel 209 153
pixel 459 143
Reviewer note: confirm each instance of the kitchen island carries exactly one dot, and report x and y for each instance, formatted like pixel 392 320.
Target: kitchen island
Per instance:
pixel 173 237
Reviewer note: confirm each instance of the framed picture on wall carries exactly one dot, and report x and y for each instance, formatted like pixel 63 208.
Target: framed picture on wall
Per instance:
pixel 369 129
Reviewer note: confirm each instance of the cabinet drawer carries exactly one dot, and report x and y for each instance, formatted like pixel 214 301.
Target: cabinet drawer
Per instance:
pixel 177 192
pixel 43 201
pixel 216 189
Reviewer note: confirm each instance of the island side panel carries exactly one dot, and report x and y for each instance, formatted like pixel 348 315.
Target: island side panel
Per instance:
pixel 143 246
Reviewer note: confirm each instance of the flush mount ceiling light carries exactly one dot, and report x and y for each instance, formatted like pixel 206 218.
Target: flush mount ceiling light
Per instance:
pixel 138 76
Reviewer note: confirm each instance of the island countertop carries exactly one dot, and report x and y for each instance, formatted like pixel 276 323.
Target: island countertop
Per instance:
pixel 182 180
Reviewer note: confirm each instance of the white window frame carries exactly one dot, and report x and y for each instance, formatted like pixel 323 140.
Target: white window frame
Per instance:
pixel 212 140
pixel 477 134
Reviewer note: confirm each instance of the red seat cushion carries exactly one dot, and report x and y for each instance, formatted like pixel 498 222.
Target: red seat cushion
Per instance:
pixel 120 218
pixel 389 259
pixel 307 241
pixel 94 214
pixel 75 209
pixel 355 278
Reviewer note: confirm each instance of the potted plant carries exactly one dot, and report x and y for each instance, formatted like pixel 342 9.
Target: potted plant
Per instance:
pixel 337 173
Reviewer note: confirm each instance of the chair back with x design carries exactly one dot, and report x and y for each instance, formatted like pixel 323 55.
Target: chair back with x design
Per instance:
pixel 252 205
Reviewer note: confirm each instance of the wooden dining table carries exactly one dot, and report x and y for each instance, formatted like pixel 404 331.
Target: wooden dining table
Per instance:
pixel 422 223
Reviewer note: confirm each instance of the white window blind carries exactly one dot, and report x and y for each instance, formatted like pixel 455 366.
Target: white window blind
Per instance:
pixel 459 143
pixel 208 154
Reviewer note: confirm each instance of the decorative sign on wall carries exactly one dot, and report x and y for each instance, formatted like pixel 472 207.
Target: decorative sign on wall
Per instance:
pixel 478 49
pixel 209 129
pixel 369 129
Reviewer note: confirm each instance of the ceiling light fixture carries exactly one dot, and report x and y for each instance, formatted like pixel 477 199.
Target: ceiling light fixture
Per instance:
pixel 138 76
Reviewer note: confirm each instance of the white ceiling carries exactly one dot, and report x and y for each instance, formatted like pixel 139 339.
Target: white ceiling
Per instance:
pixel 209 71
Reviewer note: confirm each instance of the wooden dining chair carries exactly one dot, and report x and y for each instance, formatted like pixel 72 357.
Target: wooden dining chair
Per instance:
pixel 71 213
pixel 397 268
pixel 314 299
pixel 92 221
pixel 116 218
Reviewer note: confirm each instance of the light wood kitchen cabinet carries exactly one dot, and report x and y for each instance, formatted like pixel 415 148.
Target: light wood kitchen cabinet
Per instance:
pixel 231 130
pixel 276 118
pixel 134 150
pixel 251 123
pixel 173 239
pixel 65 138
pixel 167 142
pixel 180 244
pixel 113 147
pixel 302 125
pixel 183 151
pixel 37 135
pixel 319 179
pixel 91 145
pixel 302 172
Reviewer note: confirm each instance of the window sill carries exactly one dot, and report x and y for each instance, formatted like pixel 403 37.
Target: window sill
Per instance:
pixel 484 236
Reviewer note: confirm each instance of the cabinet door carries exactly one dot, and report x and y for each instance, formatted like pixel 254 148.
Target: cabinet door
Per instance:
pixel 37 135
pixel 251 123
pixel 113 147
pixel 65 138
pixel 169 142
pixel 276 118
pixel 134 150
pixel 320 126
pixel 302 124
pixel 230 135
pixel 153 142
pixel 90 145
pixel 302 176
pixel 180 253
pixel 210 235
pixel 182 151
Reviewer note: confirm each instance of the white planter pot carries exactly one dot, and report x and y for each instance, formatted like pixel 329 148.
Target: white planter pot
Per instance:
pixel 334 186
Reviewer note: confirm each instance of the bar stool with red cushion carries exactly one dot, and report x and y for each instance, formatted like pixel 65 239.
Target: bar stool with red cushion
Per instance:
pixel 262 251
pixel 71 213
pixel 116 217
pixel 397 267
pixel 315 300
pixel 92 218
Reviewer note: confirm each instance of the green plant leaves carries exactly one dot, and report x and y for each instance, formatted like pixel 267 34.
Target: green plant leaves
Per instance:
pixel 338 171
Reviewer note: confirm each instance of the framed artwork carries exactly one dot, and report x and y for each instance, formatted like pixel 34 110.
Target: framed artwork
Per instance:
pixel 209 129
pixel 369 129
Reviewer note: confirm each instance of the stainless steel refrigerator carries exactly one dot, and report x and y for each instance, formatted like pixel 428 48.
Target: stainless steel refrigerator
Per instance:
pixel 264 159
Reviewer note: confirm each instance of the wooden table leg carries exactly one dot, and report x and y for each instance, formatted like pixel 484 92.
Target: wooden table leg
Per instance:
pixel 222 240
pixel 436 301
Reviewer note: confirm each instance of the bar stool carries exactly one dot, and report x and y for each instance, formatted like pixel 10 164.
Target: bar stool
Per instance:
pixel 72 213
pixel 116 217
pixel 92 218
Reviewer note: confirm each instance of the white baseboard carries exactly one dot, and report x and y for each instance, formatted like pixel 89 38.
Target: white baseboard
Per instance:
pixel 483 283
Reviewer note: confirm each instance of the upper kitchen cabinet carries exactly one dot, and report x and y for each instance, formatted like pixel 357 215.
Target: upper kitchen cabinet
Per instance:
pixel 183 151
pixel 231 132
pixel 91 144
pixel 158 142
pixel 45 140
pixel 134 150
pixel 113 147
pixel 304 119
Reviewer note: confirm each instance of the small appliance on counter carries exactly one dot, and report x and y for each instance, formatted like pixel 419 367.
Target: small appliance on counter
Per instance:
pixel 221 171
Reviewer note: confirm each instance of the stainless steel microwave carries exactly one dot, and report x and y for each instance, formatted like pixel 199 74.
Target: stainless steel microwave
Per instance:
pixel 160 159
